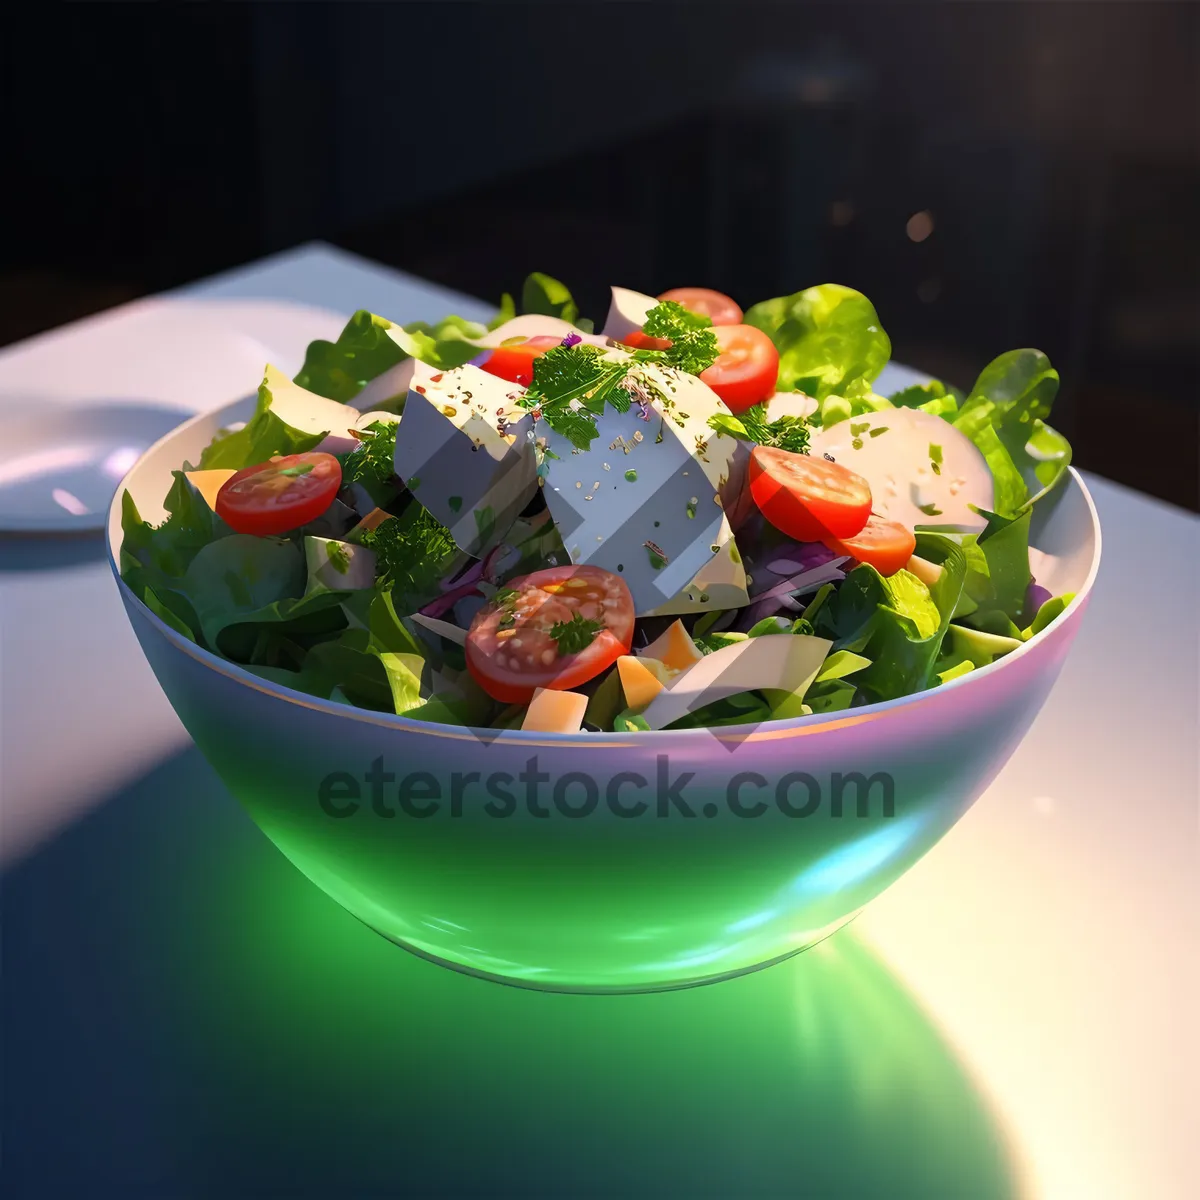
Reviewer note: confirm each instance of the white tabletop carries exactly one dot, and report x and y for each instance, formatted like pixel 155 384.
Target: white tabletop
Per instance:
pixel 1050 938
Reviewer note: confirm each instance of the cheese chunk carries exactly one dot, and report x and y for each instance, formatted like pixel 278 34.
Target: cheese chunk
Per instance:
pixel 209 483
pixel 643 500
pixel 922 471
pixel 641 679
pixel 555 712
pixel 535 325
pixel 467 454
pixel 674 648
pixel 627 312
pixel 395 382
pixel 785 662
pixel 338 566
pixel 308 412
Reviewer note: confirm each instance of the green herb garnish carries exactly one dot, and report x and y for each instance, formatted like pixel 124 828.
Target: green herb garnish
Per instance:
pixel 784 433
pixel 935 457
pixel 930 510
pixel 572 385
pixel 575 635
pixel 372 460
pixel 413 552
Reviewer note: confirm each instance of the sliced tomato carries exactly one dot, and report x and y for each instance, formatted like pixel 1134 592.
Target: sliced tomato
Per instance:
pixel 747 368
pixel 886 545
pixel 281 495
pixel 718 307
pixel 511 645
pixel 515 362
pixel 810 499
pixel 637 340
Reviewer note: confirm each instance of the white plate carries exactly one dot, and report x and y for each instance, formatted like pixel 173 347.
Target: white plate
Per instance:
pixel 60 464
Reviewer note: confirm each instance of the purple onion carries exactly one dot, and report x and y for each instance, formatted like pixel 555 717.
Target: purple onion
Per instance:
pixel 1035 597
pixel 479 359
pixel 782 595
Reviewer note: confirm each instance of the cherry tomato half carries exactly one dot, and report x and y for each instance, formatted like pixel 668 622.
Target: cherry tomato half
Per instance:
pixel 808 498
pixel 637 340
pixel 885 544
pixel 281 495
pixel 747 369
pixel 515 362
pixel 718 307
pixel 510 648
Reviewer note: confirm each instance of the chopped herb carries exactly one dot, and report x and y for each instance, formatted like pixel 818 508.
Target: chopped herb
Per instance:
pixel 371 461
pixel 784 433
pixel 930 510
pixel 572 384
pixel 691 508
pixel 935 457
pixel 298 469
pixel 631 475
pixel 878 430
pixel 658 559
pixel 455 503
pixel 859 429
pixel 575 635
pixel 413 551
pixel 339 557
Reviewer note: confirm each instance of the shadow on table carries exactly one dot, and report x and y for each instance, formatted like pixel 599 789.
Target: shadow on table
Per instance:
pixel 50 551
pixel 184 1015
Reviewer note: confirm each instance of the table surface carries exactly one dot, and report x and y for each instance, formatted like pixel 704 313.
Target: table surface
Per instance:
pixel 185 1016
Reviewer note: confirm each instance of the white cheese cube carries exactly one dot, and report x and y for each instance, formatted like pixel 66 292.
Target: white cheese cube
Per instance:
pixel 644 500
pixel 627 312
pixel 465 450
pixel 338 566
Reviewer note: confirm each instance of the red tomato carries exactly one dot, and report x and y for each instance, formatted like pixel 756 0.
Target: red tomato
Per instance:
pixel 747 369
pixel 885 544
pixel 510 650
pixel 717 306
pixel 281 495
pixel 515 362
pixel 808 498
pixel 637 340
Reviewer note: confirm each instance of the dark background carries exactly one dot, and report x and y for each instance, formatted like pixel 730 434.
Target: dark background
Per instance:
pixel 757 148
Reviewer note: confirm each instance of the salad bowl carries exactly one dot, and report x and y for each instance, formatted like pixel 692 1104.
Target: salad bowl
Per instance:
pixel 606 862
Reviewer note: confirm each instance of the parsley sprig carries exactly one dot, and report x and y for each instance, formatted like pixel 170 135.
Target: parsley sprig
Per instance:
pixel 372 460
pixel 575 635
pixel 413 552
pixel 784 433
pixel 573 384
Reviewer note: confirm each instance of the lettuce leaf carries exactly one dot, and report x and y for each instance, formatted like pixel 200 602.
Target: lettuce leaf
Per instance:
pixel 1004 415
pixel 549 298
pixel 447 344
pixel 829 340
pixel 363 351
pixel 896 622
pixel 1051 610
pixel 263 436
pixel 933 397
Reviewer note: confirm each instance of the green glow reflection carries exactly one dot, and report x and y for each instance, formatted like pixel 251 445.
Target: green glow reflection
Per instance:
pixel 362 1068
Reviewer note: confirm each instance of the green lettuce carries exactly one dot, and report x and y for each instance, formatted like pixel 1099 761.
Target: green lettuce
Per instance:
pixel 896 622
pixel 363 351
pixel 1051 610
pixel 549 298
pixel 262 437
pixel 932 397
pixel 449 343
pixel 829 340
pixel 1004 415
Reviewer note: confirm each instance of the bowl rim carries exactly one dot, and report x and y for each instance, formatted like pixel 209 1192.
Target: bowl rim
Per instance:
pixel 788 727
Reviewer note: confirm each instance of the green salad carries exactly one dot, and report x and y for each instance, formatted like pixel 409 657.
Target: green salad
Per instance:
pixel 697 516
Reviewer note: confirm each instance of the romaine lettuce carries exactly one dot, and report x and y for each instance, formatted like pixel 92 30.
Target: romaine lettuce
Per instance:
pixel 363 351
pixel 829 340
